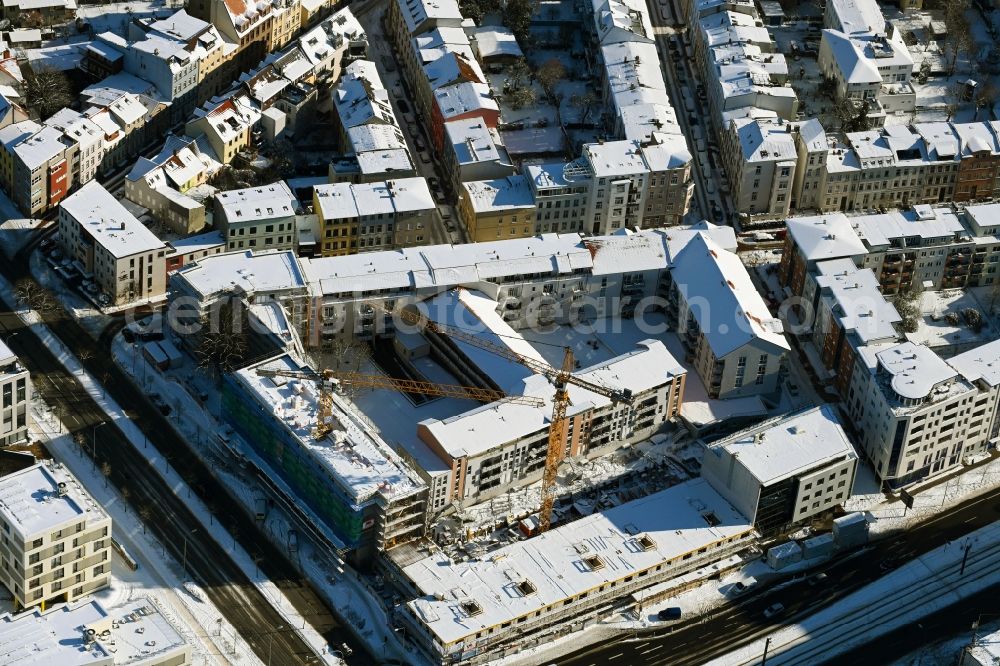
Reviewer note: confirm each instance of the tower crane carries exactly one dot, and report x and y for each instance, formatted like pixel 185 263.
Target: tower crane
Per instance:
pixel 325 380
pixel 560 377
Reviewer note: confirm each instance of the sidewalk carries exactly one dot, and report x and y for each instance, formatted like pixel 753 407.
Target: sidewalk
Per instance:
pixel 138 440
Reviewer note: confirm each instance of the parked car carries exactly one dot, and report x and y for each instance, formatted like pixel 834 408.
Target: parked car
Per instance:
pixel 817 579
pixel 669 614
pixel 434 183
pixel 403 106
pixel 774 610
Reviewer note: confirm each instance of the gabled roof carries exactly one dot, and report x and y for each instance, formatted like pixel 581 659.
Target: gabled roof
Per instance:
pixel 723 299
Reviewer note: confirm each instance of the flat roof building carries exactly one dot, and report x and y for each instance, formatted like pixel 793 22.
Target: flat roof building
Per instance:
pixel 261 217
pixel 56 537
pixel 15 387
pixel 528 590
pixel 784 471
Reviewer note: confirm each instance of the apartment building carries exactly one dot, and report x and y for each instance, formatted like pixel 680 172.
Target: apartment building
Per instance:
pixel 213 53
pixel 510 440
pixel 332 45
pixel 561 191
pixel 555 276
pixel 760 158
pixel 499 208
pixel 118 253
pixel 242 23
pixel 55 539
pixel 164 61
pixel 920 246
pixel 159 184
pixel 784 471
pixel 106 636
pixel 41 176
pixel 261 217
pixel 84 141
pixel 850 312
pixel 369 217
pixel 568 576
pixel 229 125
pixel 408 19
pixel 912 411
pixel 369 128
pixel 15 383
pixel 357 489
pixel 866 56
pixel 981 368
pixel 474 151
pixel 728 333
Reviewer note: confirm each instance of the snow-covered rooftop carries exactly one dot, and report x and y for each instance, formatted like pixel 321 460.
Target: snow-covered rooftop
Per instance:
pixel 132 633
pixel 475 142
pixel 830 236
pixel 253 273
pixel 679 520
pixel 615 158
pixel 979 364
pixel 857 300
pixel 347 200
pixel 419 13
pixel 251 204
pixel 729 309
pixel 354 455
pixel 499 194
pixel 496 41
pixel 777 450
pixel 922 221
pixel 102 217
pixel 915 370
pixel 31 503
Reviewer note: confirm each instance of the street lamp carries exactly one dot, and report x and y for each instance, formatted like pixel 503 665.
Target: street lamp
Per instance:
pixel 93 440
pixel 184 557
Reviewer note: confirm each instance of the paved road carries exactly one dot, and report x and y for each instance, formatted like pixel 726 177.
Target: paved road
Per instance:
pixel 697 641
pixel 246 608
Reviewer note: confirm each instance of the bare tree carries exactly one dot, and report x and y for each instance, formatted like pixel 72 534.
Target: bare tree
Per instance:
pixel 549 74
pixel 145 513
pixel 126 495
pixel 106 471
pixel 46 90
pixel 986 95
pixel 32 295
pixel 226 341
pixel 519 98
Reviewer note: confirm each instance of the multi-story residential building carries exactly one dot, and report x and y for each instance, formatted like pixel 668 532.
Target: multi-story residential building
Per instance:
pixel 812 149
pixel 122 257
pixel 561 192
pixel 474 151
pixel 85 143
pixel 729 335
pixel 41 176
pixel 850 312
pixel 334 44
pixel 575 573
pixel 461 101
pixel 262 218
pixel 15 387
pixel 559 277
pixel 244 24
pixel 214 54
pixel 499 208
pixel 229 125
pixel 55 542
pixel 760 159
pixel 980 368
pixel 101 637
pixel 159 184
pixel 11 135
pixel 407 19
pixel 165 62
pixel 285 24
pixel 978 174
pixel 369 217
pixel 912 412
pixel 619 184
pixel 866 56
pixel 369 129
pixel 349 479
pixel 926 245
pixel 50 12
pixel 786 470
pixel 192 248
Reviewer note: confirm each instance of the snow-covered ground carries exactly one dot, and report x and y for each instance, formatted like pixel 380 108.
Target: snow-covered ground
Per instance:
pixel 333 579
pixel 162 465
pixel 213 639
